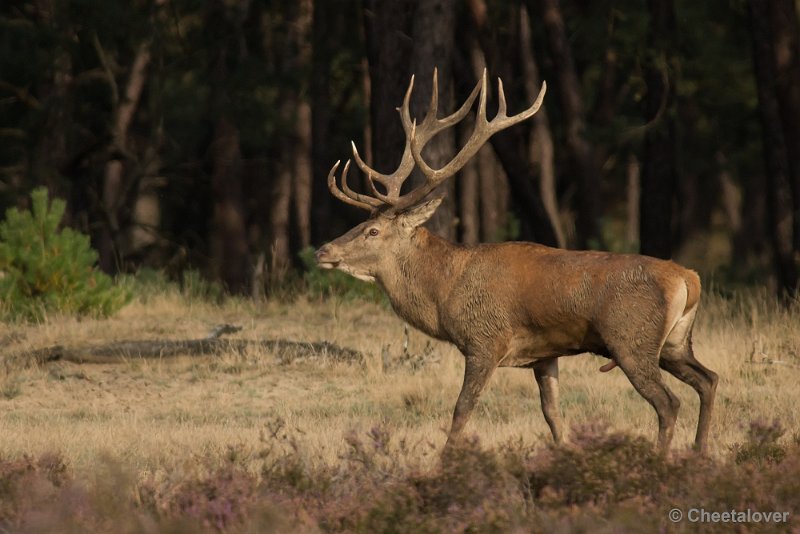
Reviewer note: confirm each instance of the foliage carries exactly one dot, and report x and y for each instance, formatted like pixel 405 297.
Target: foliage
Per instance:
pixel 602 468
pixel 218 500
pixel 192 286
pixel 195 286
pixel 762 443
pixel 473 489
pixel 45 269
pixel 326 284
pixel 147 283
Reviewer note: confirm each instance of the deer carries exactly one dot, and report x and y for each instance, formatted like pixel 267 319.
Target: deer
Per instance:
pixel 517 304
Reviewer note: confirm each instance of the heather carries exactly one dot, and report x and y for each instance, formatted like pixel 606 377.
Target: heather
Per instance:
pixel 604 481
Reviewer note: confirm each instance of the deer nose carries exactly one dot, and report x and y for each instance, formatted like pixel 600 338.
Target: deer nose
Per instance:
pixel 324 258
pixel 321 252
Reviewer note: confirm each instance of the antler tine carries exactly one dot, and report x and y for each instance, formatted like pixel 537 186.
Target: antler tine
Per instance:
pixel 501 97
pixel 506 121
pixel 374 203
pixel 393 182
pixel 484 129
pixel 405 113
pixel 430 126
pixel 433 109
pixel 459 114
pixel 482 102
pixel 349 196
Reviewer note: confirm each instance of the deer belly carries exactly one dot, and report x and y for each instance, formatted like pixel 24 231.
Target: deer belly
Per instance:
pixel 529 347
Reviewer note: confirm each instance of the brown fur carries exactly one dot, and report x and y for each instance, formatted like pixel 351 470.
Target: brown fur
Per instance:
pixel 525 305
pixel 519 304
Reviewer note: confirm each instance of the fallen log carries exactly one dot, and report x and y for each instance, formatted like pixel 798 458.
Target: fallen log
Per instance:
pixel 121 351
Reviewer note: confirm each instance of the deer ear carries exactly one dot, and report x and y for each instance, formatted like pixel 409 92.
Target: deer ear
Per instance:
pixel 417 215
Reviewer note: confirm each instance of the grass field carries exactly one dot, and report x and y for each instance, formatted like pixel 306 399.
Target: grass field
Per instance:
pixel 158 423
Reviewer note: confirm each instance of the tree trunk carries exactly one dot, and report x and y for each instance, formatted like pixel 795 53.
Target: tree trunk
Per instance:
pixel 775 156
pixel 731 196
pixel 658 166
pixel 432 35
pixel 302 153
pixel 302 181
pixel 143 237
pixel 540 147
pixel 389 46
pixel 469 204
pixel 321 160
pixel 144 243
pixel 490 174
pixel 114 178
pixel 578 147
pixel 786 53
pixel 229 234
pixel 492 220
pixel 279 218
pixel 229 248
pixel 633 175
pixel 55 93
pixel 510 145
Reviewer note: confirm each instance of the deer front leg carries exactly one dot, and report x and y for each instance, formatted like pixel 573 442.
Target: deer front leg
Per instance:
pixel 546 373
pixel 476 375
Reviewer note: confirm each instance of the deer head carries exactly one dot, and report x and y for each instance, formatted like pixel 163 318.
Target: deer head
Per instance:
pixel 373 246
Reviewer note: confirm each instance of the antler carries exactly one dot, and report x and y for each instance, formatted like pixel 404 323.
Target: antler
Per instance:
pixel 417 136
pixel 347 195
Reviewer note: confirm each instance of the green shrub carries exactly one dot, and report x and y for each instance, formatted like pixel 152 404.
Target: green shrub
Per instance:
pixel 194 286
pixel 147 283
pixel 191 286
pixel 44 269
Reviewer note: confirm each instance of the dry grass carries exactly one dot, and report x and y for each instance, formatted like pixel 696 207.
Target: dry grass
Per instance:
pixel 155 414
pixel 241 441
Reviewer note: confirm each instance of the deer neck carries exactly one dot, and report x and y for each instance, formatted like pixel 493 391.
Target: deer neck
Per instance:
pixel 423 276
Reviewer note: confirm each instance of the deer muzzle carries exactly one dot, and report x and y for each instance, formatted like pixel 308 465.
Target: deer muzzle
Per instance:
pixel 325 259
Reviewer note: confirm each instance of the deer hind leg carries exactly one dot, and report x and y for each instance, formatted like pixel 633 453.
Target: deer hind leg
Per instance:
pixel 677 358
pixel 546 374
pixel 476 376
pixel 643 372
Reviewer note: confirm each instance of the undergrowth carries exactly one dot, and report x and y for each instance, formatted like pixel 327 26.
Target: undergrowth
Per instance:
pixel 601 481
pixel 47 269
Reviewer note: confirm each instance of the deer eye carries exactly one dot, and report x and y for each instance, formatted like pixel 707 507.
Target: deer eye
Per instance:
pixel 373 232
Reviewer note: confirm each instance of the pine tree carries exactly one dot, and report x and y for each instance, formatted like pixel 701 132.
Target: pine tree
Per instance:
pixel 44 269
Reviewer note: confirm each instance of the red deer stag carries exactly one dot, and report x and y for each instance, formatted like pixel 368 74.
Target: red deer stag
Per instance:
pixel 518 304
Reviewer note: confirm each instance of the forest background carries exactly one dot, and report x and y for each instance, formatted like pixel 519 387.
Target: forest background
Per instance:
pixel 197 135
